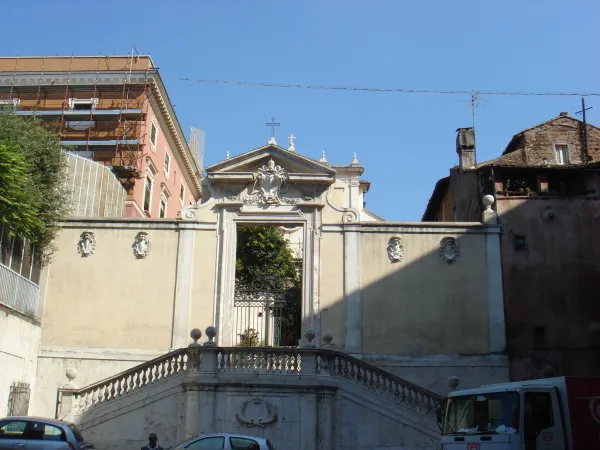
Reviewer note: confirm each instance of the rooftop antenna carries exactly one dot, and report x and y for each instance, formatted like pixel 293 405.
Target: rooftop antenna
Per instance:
pixel 584 130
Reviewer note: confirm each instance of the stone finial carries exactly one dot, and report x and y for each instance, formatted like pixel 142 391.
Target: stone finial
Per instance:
pixel 291 148
pixel 309 335
pixel 272 141
pixel 71 374
pixel 227 155
pixel 211 332
pixel 323 159
pixel 453 382
pixel 327 338
pixel 355 161
pixel 489 216
pixel 195 334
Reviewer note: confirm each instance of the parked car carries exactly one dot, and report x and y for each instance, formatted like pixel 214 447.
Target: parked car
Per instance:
pixel 36 433
pixel 227 441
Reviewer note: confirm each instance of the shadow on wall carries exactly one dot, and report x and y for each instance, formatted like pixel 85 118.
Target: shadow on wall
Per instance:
pixel 550 247
pixel 423 312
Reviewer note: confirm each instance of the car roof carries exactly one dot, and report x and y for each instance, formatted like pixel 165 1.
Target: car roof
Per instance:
pixel 235 435
pixel 37 419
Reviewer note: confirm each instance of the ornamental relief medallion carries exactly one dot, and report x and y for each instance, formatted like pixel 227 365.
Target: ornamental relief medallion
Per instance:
pixel 256 413
pixel 449 251
pixel 87 244
pixel 395 249
pixel 141 245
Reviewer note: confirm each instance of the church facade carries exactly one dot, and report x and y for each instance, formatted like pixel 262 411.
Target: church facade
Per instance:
pixel 422 301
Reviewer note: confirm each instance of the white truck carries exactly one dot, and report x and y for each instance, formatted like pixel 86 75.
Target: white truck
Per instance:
pixel 560 413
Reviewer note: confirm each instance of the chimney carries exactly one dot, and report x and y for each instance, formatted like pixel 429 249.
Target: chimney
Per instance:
pixel 563 114
pixel 465 147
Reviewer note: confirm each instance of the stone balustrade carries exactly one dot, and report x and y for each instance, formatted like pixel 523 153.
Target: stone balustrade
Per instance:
pixel 199 359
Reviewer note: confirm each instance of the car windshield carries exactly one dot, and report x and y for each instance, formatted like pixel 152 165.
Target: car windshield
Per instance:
pixel 496 412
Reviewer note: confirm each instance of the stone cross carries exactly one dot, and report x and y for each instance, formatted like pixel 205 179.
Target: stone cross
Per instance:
pixel 291 137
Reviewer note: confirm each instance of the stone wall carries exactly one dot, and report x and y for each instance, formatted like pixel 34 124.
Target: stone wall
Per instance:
pixel 539 141
pixel 555 276
pixel 19 346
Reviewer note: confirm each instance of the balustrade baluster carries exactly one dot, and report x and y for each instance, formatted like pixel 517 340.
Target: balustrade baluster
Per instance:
pixel 371 381
pixel 377 382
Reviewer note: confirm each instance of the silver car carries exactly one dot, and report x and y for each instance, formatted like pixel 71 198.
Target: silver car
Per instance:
pixel 227 441
pixel 36 433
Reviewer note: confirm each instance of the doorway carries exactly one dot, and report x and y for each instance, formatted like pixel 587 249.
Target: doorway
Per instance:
pixel 267 304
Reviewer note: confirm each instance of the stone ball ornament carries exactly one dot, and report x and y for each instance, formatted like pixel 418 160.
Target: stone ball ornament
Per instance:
pixel 488 201
pixel 195 334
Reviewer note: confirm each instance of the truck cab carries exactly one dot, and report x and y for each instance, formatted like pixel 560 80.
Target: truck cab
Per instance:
pixel 511 416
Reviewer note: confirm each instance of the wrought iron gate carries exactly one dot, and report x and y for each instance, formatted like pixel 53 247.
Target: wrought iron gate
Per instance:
pixel 18 399
pixel 267 313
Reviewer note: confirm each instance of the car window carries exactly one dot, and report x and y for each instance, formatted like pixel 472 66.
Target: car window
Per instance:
pixel 45 432
pixel 238 443
pixel 12 429
pixel 208 442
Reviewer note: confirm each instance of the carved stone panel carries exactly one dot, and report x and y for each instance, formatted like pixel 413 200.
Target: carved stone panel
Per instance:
pixel 256 412
pixel 395 249
pixel 141 245
pixel 449 251
pixel 270 182
pixel 87 244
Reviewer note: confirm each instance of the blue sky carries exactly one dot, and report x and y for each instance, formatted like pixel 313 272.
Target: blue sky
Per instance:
pixel 405 141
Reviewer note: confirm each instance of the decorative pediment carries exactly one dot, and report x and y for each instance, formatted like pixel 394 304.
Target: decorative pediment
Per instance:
pixel 245 167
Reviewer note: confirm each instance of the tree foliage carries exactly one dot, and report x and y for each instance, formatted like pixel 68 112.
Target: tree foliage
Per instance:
pixel 34 197
pixel 263 251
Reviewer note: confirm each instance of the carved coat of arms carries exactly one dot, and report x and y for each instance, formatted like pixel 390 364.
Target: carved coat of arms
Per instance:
pixel 141 245
pixel 256 413
pixel 270 182
pixel 449 251
pixel 87 244
pixel 395 249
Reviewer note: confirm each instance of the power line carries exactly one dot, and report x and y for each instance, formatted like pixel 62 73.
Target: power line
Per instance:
pixel 375 89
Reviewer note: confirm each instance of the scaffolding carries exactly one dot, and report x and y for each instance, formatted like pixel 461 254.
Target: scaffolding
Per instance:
pixel 101 121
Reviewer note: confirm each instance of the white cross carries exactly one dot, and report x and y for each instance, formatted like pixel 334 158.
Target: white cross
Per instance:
pixel 291 137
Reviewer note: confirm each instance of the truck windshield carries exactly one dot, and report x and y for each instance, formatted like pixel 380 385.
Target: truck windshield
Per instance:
pixel 496 412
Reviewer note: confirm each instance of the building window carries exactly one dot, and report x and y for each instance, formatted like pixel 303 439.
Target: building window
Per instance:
pixel 520 242
pixel 561 152
pixel 539 336
pixel 83 104
pixel 162 213
pixel 181 193
pixel 153 132
pixel 148 194
pixel 167 163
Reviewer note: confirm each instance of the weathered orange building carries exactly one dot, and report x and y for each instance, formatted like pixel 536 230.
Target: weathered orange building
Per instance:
pixel 114 110
pixel 546 186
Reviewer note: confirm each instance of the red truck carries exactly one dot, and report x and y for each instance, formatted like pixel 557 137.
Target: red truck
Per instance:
pixel 560 413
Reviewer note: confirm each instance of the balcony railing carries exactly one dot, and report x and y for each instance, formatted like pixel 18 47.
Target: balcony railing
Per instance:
pixel 18 292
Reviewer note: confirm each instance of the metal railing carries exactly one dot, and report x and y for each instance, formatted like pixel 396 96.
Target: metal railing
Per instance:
pixel 18 292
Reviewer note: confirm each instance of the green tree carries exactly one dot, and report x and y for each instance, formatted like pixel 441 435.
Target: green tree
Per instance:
pixel 34 197
pixel 262 251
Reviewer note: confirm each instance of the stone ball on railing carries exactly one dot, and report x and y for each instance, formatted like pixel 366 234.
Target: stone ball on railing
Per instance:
pixel 211 332
pixel 71 374
pixel 195 334
pixel 488 201
pixel 309 335
pixel 327 338
pixel 453 382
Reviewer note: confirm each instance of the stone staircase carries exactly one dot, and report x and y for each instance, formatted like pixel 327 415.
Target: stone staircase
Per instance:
pixel 299 398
